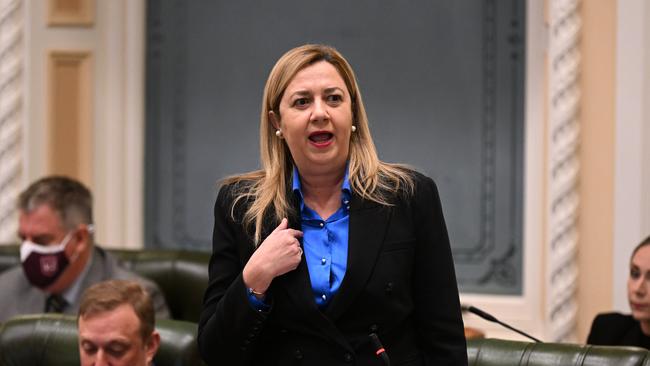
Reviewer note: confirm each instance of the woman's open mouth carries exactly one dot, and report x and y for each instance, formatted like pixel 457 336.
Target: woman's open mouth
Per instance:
pixel 321 138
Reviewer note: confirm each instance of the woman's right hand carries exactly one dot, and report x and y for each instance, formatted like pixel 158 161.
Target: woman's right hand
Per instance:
pixel 278 254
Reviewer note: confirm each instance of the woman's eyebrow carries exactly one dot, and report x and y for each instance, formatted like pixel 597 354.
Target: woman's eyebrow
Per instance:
pixel 333 89
pixel 300 93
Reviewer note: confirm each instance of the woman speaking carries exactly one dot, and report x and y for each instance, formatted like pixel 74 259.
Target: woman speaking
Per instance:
pixel 327 255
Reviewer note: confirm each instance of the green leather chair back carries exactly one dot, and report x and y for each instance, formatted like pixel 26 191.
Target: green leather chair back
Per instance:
pixel 9 256
pixel 498 352
pixel 181 275
pixel 51 340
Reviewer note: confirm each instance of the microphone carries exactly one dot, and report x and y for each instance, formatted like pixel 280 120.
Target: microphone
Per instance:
pixel 379 348
pixel 491 318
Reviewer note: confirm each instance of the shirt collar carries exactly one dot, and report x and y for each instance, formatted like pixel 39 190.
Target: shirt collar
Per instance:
pixel 72 293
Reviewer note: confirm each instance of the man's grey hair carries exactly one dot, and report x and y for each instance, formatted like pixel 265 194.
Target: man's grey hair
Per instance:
pixel 70 199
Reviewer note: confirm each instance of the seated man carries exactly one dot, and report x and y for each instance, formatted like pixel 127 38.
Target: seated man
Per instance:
pixel 117 325
pixel 59 260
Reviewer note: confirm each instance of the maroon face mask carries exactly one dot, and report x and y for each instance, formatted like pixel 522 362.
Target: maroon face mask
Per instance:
pixel 43 264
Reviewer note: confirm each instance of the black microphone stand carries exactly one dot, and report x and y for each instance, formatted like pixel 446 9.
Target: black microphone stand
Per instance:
pixel 491 318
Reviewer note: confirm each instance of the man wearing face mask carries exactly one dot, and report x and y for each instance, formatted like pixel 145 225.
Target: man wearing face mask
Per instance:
pixel 58 257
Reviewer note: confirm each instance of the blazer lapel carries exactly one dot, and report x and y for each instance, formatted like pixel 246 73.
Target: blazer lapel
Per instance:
pixel 368 226
pixel 297 282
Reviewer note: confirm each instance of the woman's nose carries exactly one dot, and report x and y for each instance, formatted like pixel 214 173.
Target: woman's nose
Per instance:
pixel 638 286
pixel 319 111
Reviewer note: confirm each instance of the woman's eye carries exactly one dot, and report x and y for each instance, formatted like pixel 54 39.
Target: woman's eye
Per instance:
pixel 300 102
pixel 334 98
pixel 634 273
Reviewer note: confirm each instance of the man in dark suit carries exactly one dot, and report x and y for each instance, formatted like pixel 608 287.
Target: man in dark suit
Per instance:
pixel 58 258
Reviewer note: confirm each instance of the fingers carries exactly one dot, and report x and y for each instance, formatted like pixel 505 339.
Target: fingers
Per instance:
pixel 283 225
pixel 295 233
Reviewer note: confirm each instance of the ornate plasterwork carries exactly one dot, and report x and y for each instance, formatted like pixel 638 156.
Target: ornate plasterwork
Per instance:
pixel 563 168
pixel 11 96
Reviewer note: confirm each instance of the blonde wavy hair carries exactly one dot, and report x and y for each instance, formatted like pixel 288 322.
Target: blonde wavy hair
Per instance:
pixel 267 189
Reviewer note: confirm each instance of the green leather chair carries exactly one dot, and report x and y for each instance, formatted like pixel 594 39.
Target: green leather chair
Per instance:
pixel 498 352
pixel 181 275
pixel 51 340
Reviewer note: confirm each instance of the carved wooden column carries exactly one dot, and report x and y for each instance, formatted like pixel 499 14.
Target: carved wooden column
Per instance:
pixel 562 169
pixel 11 110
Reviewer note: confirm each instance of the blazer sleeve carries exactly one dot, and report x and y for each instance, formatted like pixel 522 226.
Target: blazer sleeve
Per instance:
pixel 597 333
pixel 229 326
pixel 608 329
pixel 437 304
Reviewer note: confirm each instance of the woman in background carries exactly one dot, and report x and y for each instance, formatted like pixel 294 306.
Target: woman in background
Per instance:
pixel 615 329
pixel 328 256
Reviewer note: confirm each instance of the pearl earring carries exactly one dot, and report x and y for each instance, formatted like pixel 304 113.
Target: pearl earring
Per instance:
pixel 278 133
pixel 354 128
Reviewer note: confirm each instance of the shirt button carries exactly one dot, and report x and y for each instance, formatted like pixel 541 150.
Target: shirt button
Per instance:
pixel 297 355
pixel 347 357
pixel 346 202
pixel 323 261
pixel 324 297
pixel 322 224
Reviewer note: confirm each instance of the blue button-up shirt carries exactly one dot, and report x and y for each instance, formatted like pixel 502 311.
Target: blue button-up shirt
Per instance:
pixel 325 243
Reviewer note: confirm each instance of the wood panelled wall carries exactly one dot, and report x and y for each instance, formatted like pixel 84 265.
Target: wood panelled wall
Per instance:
pixel 70 114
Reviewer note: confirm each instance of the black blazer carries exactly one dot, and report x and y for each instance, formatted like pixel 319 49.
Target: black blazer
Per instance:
pixel 399 283
pixel 614 329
